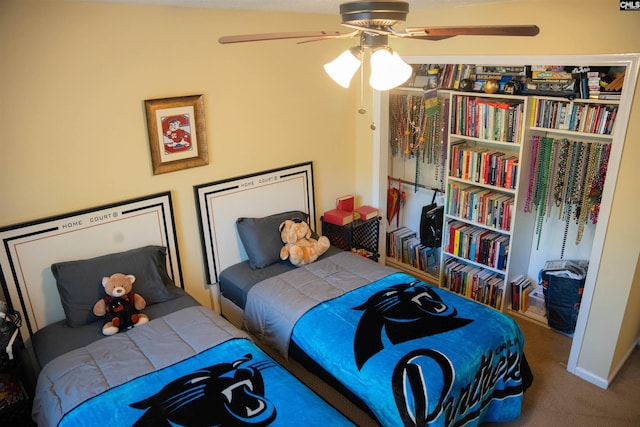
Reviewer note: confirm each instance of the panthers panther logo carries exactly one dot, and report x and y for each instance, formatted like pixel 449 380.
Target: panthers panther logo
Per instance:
pixel 226 394
pixel 403 312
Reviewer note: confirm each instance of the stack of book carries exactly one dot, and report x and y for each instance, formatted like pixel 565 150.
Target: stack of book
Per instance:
pixel 452 74
pixel 494 119
pixel 479 164
pixel 477 244
pixel 404 245
pixel 345 212
pixel 549 79
pixel 480 205
pixel 521 287
pixel 474 282
pixel 579 117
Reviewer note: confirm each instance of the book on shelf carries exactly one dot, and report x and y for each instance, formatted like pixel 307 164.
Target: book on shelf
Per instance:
pixel 524 296
pixel 515 292
pixel 396 239
pixel 338 217
pixel 365 212
pixel 613 96
pixel 345 203
pixel 408 249
pixel 521 287
pixel 474 282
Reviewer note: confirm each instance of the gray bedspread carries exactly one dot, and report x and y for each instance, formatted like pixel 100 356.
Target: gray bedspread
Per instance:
pixel 275 304
pixel 81 374
pixel 58 338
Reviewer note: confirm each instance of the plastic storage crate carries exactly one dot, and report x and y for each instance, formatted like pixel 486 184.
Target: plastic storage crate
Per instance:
pixel 356 236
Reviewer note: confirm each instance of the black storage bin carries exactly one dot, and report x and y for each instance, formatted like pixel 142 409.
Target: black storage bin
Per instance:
pixel 562 284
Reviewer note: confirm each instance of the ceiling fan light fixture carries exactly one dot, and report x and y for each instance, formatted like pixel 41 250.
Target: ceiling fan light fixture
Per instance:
pixel 344 67
pixel 388 70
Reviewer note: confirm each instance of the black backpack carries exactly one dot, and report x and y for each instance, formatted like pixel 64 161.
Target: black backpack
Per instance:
pixel 431 224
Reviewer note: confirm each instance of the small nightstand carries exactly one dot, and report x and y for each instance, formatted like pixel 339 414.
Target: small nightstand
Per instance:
pixel 358 235
pixel 15 403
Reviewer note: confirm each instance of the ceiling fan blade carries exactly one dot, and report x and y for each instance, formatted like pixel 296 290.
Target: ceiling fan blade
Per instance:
pixel 277 36
pixel 473 30
pixel 424 37
pixel 332 36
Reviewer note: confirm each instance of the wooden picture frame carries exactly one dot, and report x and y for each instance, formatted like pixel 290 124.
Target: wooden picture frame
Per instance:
pixel 177 135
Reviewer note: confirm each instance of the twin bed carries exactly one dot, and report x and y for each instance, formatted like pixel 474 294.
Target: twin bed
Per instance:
pixel 403 352
pixel 186 366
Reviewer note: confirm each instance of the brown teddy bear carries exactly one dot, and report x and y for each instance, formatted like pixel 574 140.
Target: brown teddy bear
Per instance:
pixel 120 305
pixel 299 247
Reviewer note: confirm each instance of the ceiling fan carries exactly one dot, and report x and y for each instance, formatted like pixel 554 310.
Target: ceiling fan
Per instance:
pixel 373 21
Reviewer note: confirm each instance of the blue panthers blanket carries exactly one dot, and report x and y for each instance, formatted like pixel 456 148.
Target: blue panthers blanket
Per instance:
pixel 417 355
pixel 232 384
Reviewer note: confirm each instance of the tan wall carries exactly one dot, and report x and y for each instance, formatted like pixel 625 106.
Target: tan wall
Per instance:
pixel 74 78
pixel 75 75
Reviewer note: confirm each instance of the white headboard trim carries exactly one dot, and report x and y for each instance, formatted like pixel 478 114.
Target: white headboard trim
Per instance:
pixel 28 250
pixel 221 203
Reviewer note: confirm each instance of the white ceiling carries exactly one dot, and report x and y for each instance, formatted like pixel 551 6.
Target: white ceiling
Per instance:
pixel 304 6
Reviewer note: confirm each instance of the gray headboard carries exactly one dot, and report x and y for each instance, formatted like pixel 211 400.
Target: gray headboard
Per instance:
pixel 28 250
pixel 220 203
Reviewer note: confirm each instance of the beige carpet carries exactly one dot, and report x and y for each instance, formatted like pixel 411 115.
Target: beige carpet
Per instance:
pixel 558 398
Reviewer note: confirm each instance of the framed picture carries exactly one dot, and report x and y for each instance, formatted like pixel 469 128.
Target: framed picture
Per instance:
pixel 177 136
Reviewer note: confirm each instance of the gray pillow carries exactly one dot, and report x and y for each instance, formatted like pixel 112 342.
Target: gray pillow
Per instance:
pixel 80 282
pixel 261 237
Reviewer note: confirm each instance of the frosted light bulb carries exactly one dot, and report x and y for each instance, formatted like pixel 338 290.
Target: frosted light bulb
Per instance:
pixel 388 70
pixel 343 68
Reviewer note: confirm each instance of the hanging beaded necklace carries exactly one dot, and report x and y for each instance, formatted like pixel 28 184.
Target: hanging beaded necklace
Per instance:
pixel 569 175
pixel 561 174
pixel 535 142
pixel 443 136
pixel 542 179
pixel 397 123
pixel 594 155
pixel 567 147
pixel 572 157
pixel 553 170
pixel 416 131
pixel 585 155
pixel 595 194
